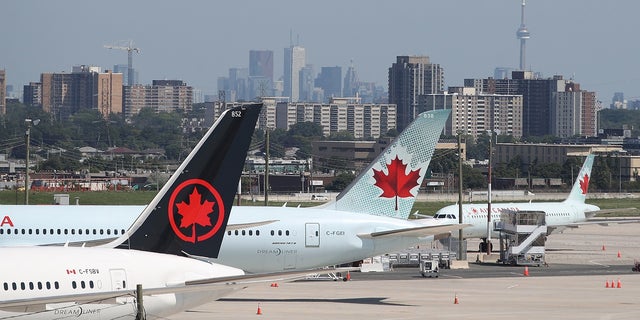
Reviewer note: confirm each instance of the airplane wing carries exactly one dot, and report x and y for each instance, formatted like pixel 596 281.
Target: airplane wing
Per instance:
pixel 597 221
pixel 227 284
pixel 421 231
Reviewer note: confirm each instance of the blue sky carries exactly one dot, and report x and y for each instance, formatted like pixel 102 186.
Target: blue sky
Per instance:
pixel 592 41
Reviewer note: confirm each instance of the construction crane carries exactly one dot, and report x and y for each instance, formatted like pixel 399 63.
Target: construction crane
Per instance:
pixel 130 49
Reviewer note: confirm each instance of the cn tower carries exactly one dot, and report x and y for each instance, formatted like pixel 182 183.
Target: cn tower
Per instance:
pixel 522 34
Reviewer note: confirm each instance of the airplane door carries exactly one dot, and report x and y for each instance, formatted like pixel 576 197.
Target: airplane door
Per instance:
pixel 312 235
pixel 118 279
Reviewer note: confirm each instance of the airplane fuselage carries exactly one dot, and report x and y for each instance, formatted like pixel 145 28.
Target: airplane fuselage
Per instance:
pixel 62 271
pixel 297 239
pixel 557 214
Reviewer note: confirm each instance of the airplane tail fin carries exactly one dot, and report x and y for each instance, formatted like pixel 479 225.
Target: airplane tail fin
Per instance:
pixel 580 187
pixel 190 213
pixel 389 185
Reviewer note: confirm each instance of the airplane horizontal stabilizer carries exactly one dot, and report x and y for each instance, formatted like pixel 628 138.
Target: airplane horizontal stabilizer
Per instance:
pixel 422 231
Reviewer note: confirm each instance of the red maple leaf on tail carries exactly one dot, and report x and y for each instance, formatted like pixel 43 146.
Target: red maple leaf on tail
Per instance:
pixel 396 183
pixel 195 212
pixel 584 184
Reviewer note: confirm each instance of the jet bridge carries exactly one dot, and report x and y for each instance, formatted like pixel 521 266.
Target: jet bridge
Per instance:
pixel 522 237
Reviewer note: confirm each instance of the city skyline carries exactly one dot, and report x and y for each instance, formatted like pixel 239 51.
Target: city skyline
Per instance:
pixel 199 41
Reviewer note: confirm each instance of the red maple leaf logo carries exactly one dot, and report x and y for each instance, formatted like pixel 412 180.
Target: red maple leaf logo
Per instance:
pixel 196 211
pixel 396 183
pixel 584 184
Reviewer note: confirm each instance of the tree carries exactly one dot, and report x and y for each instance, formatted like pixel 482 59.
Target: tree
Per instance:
pixel 341 181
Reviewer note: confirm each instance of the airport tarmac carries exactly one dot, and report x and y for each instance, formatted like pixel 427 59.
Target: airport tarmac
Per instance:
pixel 573 286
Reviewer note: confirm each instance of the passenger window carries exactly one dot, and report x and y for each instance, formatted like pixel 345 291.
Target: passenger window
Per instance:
pixel 24 231
pixel 31 286
pixel 287 232
pixel 73 284
pixel 279 232
pixel 73 231
pixel 91 284
pixel 66 231
pixel 6 286
pixel 22 286
pixel 56 285
pixel 108 231
pixel 250 232
pixel 236 232
pixel 39 285
pixel 48 284
pixel 257 232
pixel 272 232
pixel 101 231
pixel 243 232
pixel 14 286
pixel 82 284
pixel 229 232
pixel 30 231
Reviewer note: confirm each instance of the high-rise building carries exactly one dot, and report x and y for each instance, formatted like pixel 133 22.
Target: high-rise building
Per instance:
pixel 32 94
pixel 361 120
pixel 260 73
pixel 3 92
pixel 410 77
pixel 350 87
pixel 86 87
pixel 549 105
pixel 306 86
pixel 330 81
pixel 294 61
pixel 124 69
pixel 476 113
pixel 161 96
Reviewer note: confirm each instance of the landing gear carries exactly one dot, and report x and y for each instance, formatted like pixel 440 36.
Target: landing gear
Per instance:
pixel 483 246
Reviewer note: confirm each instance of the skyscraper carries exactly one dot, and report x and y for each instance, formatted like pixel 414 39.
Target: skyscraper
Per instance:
pixel 3 93
pixel 294 61
pixel 350 87
pixel 260 73
pixel 524 35
pixel 330 81
pixel 410 77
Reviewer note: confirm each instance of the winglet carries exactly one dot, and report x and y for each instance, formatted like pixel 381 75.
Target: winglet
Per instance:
pixel 389 185
pixel 190 213
pixel 581 185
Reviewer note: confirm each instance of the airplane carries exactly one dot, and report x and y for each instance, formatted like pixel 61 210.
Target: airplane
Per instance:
pixel 272 239
pixel 571 212
pixel 56 282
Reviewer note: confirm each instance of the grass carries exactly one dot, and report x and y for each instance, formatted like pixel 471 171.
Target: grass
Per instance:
pixel 144 197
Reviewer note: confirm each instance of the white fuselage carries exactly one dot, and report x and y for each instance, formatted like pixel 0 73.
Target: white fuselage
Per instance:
pixel 557 214
pixel 298 239
pixel 42 272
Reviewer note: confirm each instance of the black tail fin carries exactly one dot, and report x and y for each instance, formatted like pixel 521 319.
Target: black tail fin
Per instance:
pixel 189 215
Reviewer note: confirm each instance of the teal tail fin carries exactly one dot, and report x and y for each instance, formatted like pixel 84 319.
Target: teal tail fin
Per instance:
pixel 580 187
pixel 389 185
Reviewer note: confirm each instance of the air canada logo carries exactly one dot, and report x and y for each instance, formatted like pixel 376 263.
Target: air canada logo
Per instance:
pixel 196 211
pixel 584 184
pixel 396 183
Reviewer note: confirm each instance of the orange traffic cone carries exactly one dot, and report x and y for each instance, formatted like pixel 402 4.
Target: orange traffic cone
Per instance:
pixel 348 276
pixel 259 312
pixel 619 284
pixel 613 284
pixel 526 271
pixel 606 285
pixel 619 255
pixel 455 300
pixel 603 249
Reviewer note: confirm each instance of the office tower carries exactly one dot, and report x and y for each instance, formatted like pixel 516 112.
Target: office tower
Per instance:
pixel 124 69
pixel 350 87
pixel 306 86
pixel 260 73
pixel 3 92
pixel 410 77
pixel 330 81
pixel 294 61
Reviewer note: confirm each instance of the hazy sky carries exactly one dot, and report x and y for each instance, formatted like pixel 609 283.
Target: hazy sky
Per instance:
pixel 593 41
